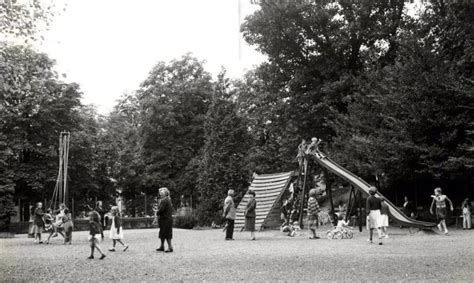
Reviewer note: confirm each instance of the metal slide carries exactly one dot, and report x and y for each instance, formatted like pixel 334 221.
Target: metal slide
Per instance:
pixel 395 213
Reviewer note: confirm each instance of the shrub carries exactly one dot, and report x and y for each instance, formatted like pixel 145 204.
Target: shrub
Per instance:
pixel 185 222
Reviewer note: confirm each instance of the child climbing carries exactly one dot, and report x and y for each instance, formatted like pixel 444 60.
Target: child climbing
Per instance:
pixel 301 153
pixel 116 233
pixel 313 210
pixel 313 148
pixel 439 202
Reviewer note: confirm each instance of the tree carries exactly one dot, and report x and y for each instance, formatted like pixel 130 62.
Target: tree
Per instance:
pixel 121 154
pixel 222 166
pixel 411 119
pixel 35 108
pixel 24 19
pixel 315 51
pixel 173 102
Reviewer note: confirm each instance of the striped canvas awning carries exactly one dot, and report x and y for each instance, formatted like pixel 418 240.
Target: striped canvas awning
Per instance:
pixel 268 190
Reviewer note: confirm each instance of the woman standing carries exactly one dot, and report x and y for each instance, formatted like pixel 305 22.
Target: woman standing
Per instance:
pixel 466 214
pixel 165 220
pixel 38 222
pixel 250 215
pixel 116 233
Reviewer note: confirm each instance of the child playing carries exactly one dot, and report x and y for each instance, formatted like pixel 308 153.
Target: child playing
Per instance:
pixel 38 222
pixel 58 224
pixel 466 214
pixel 313 210
pixel 384 217
pixel 116 233
pixel 94 230
pixel 50 224
pixel 48 220
pixel 68 226
pixel 341 223
pixel 373 207
pixel 439 202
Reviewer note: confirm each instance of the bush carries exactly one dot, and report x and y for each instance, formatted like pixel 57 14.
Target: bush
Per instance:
pixel 185 222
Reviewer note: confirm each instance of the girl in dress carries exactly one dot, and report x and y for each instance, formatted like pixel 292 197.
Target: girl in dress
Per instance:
pixel 116 233
pixel 440 202
pixel 94 230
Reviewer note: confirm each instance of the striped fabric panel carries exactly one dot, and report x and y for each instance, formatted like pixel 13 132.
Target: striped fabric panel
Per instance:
pixel 268 190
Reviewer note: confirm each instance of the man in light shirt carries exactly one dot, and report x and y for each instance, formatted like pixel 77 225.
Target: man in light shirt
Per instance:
pixel 229 215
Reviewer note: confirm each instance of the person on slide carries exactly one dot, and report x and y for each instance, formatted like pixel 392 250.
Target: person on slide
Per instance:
pixel 314 147
pixel 439 202
pixel 373 207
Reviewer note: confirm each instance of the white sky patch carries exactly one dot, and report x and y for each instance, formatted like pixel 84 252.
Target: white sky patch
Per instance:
pixel 109 46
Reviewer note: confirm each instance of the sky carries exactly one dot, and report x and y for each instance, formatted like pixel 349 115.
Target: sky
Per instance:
pixel 108 47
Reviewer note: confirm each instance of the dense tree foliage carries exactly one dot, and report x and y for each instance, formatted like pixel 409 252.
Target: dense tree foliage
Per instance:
pixel 173 102
pixel 223 158
pixel 412 120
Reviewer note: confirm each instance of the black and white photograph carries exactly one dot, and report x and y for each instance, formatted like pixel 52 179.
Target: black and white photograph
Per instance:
pixel 236 141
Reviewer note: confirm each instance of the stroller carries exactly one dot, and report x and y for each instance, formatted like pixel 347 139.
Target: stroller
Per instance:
pixel 339 233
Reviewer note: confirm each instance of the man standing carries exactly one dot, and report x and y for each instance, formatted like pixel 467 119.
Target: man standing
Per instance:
pixel 229 215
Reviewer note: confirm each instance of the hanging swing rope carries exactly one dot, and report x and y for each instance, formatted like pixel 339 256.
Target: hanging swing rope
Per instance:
pixel 60 194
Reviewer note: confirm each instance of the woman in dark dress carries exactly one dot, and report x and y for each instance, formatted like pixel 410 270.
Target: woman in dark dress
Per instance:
pixel 250 215
pixel 165 220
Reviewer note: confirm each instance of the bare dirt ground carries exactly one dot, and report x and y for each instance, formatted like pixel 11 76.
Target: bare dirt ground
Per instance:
pixel 204 255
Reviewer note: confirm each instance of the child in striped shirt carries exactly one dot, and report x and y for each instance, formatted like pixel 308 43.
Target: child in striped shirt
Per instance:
pixel 313 210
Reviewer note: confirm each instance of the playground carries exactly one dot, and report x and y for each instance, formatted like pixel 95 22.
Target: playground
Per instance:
pixel 204 255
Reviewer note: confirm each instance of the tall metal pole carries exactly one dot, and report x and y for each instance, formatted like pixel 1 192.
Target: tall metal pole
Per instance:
pixel 303 191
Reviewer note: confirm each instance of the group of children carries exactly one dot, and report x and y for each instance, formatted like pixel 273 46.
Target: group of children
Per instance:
pixel 60 222
pixel 96 230
pixel 55 222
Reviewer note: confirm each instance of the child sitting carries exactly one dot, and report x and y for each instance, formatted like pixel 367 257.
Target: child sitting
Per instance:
pixel 341 223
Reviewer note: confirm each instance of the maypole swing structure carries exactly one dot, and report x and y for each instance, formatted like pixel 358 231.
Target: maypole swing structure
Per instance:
pixel 61 194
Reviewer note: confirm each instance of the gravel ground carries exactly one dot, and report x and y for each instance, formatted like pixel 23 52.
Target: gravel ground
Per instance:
pixel 204 255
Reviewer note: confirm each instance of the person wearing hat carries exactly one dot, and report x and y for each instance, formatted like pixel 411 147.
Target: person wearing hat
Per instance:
pixel 313 210
pixel 373 207
pixel 250 215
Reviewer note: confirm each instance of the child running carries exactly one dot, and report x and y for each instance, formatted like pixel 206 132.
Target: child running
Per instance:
pixel 94 230
pixel 439 202
pixel 313 210
pixel 373 207
pixel 116 233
